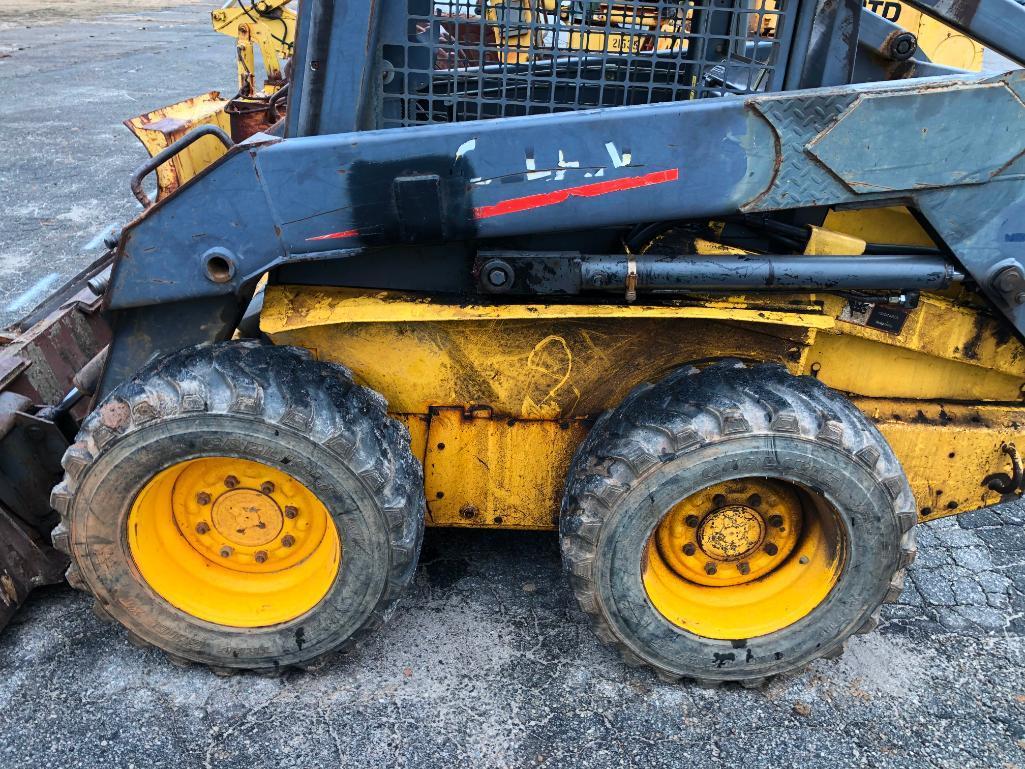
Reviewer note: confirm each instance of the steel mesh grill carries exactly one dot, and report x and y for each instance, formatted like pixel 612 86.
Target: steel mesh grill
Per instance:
pixel 478 59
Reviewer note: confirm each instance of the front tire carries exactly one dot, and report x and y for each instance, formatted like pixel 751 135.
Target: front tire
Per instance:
pixel 733 523
pixel 242 506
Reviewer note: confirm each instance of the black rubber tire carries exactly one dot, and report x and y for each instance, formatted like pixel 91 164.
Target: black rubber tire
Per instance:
pixel 701 427
pixel 252 401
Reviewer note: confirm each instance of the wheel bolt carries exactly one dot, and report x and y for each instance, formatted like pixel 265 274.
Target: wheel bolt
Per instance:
pixel 689 549
pixel 267 487
pixel 719 500
pixel 231 481
pixel 202 527
pixel 291 512
pixel 226 552
pixel 288 540
pixel 770 548
pixel 692 521
pixel 754 500
pixel 710 569
pixel 744 567
pixel 776 520
pixel 261 556
pixel 203 498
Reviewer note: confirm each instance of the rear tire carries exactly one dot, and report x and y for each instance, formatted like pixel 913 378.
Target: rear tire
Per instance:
pixel 709 434
pixel 258 406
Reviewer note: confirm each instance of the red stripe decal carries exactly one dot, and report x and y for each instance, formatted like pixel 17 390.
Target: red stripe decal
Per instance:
pixel 336 235
pixel 517 205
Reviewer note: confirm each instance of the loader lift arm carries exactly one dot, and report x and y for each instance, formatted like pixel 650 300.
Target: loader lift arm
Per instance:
pixel 473 181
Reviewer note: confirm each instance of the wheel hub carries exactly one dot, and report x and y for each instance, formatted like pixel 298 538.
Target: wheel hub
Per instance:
pixel 731 533
pixel 247 517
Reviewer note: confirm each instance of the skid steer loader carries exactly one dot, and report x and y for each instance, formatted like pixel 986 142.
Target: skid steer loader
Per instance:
pixel 730 293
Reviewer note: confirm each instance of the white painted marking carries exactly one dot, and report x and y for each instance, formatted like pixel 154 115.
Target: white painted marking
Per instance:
pixel 564 164
pixel 533 174
pixel 466 148
pixel 31 297
pixel 618 161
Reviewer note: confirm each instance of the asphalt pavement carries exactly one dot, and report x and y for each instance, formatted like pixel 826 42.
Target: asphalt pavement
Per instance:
pixel 487 663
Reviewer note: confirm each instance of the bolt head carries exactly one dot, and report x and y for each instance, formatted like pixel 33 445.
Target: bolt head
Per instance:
pixel 710 569
pixel 497 277
pixel 754 500
pixel 203 498
pixel 744 567
pixel 692 521
pixel 288 540
pixel 267 487
pixel 226 552
pixel 776 520
pixel 231 481
pixel 770 548
pixel 689 549
pixel 291 512
pixel 261 556
pixel 202 527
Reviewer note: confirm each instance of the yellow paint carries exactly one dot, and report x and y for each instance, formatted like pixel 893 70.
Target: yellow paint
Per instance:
pixel 950 451
pixel 827 242
pixel 522 361
pixel 233 542
pixel 856 363
pixel 509 390
pixel 880 225
pixel 743 559
pixel 160 128
pixel 287 308
pixel 486 472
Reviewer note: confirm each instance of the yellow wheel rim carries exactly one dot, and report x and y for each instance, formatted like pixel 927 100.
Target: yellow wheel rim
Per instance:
pixel 233 542
pixel 743 559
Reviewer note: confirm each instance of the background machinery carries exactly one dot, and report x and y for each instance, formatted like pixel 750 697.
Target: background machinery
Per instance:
pixel 725 291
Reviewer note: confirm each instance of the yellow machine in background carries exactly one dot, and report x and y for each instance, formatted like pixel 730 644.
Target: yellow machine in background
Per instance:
pixel 267 26
pixel 939 42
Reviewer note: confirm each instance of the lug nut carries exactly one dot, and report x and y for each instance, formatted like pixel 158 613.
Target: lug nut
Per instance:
pixel 754 500
pixel 231 481
pixel 744 567
pixel 267 487
pixel 692 521
pixel 226 552
pixel 288 540
pixel 710 569
pixel 776 520
pixel 719 500
pixel 689 549
pixel 203 498
pixel 202 527
pixel 770 548
pixel 261 556
pixel 291 512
